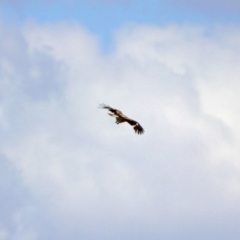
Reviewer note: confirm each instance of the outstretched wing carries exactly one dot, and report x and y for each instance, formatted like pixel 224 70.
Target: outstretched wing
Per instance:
pixel 136 126
pixel 115 111
pixel 107 107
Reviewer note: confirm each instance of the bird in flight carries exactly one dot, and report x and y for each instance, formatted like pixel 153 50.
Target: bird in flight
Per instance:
pixel 120 118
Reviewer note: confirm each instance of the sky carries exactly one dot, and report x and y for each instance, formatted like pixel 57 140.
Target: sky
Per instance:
pixel 68 171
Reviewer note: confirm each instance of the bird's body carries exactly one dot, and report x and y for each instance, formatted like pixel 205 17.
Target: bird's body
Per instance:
pixel 120 118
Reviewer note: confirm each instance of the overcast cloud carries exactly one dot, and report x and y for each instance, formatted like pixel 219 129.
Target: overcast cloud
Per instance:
pixel 69 172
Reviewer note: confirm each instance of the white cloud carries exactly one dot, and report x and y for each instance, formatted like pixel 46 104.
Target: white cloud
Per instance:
pixel 89 178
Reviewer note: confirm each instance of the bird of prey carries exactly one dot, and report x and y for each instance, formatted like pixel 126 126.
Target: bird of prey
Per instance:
pixel 120 118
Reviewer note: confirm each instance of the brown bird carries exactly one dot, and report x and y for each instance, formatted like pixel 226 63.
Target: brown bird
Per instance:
pixel 120 118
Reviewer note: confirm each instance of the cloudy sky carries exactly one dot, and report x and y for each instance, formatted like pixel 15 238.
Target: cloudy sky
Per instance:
pixel 68 171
